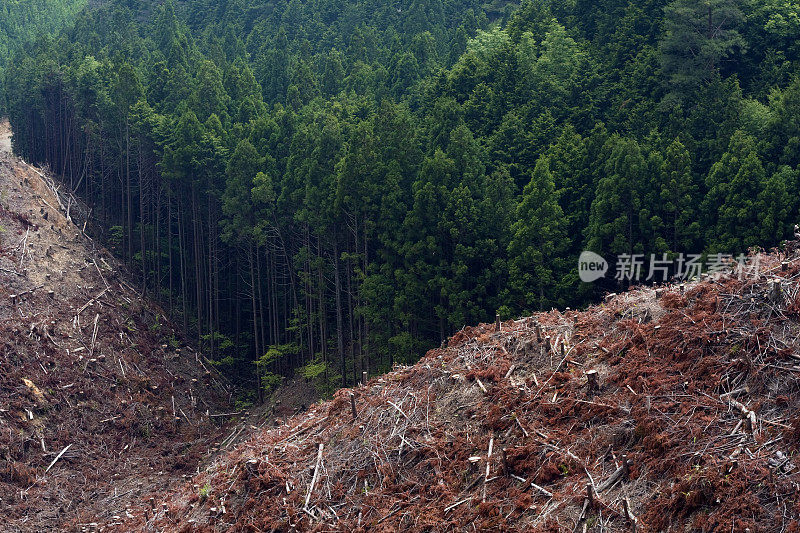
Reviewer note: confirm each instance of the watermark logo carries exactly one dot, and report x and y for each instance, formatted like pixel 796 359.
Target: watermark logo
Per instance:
pixel 591 267
pixel 653 268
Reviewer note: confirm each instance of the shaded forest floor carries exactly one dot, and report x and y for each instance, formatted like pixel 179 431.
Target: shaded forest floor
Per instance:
pixel 102 403
pixel 664 409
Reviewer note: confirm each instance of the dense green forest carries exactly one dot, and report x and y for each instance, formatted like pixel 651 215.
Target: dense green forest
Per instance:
pixel 25 21
pixel 333 187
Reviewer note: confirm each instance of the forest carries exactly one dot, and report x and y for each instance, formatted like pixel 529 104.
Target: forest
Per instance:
pixel 333 187
pixel 24 21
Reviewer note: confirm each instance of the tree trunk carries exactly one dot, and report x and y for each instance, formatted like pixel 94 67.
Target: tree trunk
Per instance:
pixel 338 291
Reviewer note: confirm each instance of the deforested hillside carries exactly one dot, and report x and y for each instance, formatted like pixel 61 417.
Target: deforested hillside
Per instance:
pixel 101 400
pixel 253 204
pixel 663 409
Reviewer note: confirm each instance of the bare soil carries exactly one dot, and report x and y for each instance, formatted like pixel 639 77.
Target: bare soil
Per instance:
pixel 5 136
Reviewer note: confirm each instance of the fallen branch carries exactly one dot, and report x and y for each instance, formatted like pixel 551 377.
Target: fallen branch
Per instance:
pixel 453 506
pixel 24 248
pixel 479 382
pixel 542 490
pixel 225 414
pixel 626 508
pixel 316 475
pixel 560 450
pixel 400 410
pixel 186 417
pixel 67 447
pixel 388 515
pixel 582 517
pixel 748 415
pixel 90 302
pixel 488 467
pixel 619 473
pixel 94 334
pixel 516 418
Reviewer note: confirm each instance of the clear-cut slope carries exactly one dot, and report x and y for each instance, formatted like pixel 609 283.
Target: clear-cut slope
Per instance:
pixel 669 410
pixel 101 404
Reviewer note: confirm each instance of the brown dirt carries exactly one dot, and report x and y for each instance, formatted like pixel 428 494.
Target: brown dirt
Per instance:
pixel 677 375
pixel 5 136
pixel 293 397
pixel 88 366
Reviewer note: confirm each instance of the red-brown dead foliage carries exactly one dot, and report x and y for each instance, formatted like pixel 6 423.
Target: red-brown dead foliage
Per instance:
pixel 673 300
pixel 677 380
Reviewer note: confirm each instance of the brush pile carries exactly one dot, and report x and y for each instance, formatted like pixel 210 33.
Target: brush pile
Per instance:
pixel 666 409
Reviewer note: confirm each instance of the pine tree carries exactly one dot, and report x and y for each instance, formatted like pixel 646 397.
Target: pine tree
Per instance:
pixel 699 37
pixel 737 194
pixel 678 199
pixel 614 225
pixel 539 239
pixel 573 175
pixel 775 206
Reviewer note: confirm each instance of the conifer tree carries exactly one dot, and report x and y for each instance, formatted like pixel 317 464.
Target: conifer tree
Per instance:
pixel 538 241
pixel 698 38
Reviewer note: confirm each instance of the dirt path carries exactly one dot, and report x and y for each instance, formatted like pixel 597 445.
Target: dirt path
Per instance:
pixel 5 136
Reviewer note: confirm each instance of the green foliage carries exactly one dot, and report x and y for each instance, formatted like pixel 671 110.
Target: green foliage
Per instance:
pixel 615 223
pixel 115 236
pixel 227 355
pixel 321 375
pixel 24 21
pixel 270 381
pixel 678 196
pixel 752 206
pixel 244 401
pixel 538 242
pixel 312 370
pixel 699 37
pixel 275 353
